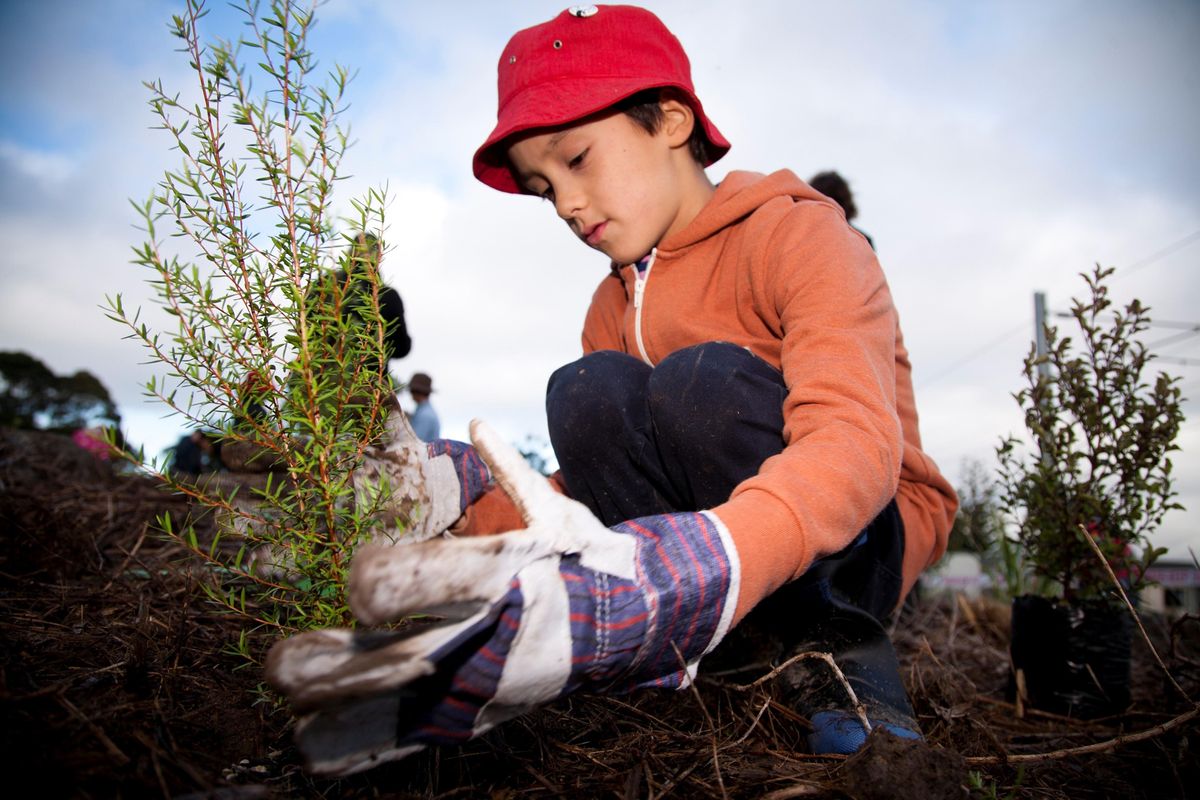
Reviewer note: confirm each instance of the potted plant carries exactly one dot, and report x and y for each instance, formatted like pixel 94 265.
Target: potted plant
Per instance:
pixel 1097 464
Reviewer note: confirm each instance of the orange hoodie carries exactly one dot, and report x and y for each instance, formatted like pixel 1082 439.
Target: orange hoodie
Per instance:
pixel 771 265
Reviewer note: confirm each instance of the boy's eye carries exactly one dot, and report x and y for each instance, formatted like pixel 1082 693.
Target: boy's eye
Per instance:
pixel 577 160
pixel 547 194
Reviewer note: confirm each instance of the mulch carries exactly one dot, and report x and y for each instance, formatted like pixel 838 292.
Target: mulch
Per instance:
pixel 119 679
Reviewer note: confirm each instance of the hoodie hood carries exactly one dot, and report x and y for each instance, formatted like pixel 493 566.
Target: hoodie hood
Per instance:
pixel 737 197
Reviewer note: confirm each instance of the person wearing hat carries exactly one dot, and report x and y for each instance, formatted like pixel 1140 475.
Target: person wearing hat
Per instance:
pixel 424 419
pixel 739 439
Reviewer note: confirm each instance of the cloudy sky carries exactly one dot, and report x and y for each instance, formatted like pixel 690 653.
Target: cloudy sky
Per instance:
pixel 995 148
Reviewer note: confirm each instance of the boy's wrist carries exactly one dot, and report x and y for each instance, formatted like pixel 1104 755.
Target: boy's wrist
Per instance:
pixel 771 546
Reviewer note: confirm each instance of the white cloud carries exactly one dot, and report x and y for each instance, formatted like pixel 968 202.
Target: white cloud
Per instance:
pixel 40 166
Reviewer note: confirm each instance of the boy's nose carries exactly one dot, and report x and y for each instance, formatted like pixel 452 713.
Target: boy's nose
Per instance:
pixel 568 204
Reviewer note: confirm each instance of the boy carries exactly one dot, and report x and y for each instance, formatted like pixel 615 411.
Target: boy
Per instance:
pixel 742 421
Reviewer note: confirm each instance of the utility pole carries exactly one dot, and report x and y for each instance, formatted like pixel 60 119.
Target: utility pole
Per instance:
pixel 1039 337
pixel 1039 331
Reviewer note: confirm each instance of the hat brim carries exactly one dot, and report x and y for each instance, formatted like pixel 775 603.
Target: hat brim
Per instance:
pixel 551 104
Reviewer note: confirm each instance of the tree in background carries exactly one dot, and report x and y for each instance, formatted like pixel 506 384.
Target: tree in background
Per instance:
pixel 236 238
pixel 978 522
pixel 979 528
pixel 33 397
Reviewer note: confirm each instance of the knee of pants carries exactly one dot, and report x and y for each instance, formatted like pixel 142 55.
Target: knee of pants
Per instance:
pixel 595 395
pixel 715 386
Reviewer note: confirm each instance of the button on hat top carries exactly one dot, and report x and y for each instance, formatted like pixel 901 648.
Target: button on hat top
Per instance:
pixel 582 12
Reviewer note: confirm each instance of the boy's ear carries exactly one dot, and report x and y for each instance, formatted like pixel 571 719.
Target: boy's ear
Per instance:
pixel 678 121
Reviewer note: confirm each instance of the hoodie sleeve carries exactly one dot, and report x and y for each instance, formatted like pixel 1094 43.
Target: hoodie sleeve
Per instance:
pixel 824 290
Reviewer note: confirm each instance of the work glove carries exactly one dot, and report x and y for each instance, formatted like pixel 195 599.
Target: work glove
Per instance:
pixel 418 488
pixel 531 615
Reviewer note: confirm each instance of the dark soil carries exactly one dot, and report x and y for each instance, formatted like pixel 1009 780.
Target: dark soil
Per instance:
pixel 118 679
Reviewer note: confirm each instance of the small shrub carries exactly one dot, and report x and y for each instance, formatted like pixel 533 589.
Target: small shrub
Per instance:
pixel 264 351
pixel 1102 436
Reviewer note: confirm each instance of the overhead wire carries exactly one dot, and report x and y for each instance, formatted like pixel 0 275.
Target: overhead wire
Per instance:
pixel 1175 246
pixel 976 353
pixel 1180 360
pixel 1154 323
pixel 1175 338
pixel 1190 327
pixel 1185 390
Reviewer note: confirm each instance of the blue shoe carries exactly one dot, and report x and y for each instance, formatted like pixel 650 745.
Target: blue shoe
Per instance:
pixel 842 732
pixel 865 656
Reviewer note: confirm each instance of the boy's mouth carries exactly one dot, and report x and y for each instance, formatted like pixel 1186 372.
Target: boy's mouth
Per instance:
pixel 593 234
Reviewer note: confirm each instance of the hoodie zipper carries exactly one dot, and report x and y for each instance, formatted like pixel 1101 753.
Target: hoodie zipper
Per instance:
pixel 639 290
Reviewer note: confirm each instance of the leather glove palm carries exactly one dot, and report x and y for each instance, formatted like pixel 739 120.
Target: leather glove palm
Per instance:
pixel 419 488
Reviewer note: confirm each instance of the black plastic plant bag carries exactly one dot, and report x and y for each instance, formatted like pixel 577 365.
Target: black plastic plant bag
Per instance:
pixel 1074 658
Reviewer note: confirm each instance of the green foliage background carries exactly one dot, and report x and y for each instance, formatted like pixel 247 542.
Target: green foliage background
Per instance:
pixel 32 396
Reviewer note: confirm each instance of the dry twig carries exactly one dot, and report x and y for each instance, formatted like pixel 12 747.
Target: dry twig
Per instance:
pixel 753 725
pixel 711 725
pixel 859 709
pixel 117 754
pixel 1098 747
pixel 798 790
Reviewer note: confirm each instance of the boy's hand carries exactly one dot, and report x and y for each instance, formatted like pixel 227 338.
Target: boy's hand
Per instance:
pixel 420 488
pixel 532 615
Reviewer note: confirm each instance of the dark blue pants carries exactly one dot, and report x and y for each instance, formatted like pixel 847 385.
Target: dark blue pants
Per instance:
pixel 634 440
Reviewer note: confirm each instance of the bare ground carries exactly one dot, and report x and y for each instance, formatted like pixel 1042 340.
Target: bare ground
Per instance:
pixel 117 679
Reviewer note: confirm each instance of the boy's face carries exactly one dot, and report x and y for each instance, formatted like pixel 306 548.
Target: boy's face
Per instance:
pixel 619 188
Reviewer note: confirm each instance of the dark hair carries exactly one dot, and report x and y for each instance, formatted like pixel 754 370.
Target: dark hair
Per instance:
pixel 644 108
pixel 366 245
pixel 834 186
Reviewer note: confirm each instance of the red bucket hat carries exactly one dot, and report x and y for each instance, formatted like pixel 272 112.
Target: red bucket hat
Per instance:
pixel 579 63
